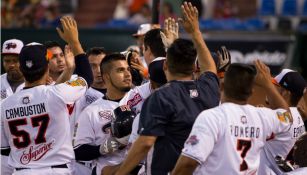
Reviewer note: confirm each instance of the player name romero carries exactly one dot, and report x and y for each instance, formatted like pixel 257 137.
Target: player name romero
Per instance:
pixel 25 111
pixel 245 131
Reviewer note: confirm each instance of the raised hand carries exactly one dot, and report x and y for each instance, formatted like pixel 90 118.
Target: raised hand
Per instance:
pixel 190 18
pixel 170 33
pixel 263 77
pixel 70 30
pixel 224 59
pixel 69 57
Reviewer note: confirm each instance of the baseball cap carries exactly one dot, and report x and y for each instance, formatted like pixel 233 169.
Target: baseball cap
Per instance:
pixel 155 71
pixel 12 46
pixel 143 28
pixel 292 81
pixel 34 56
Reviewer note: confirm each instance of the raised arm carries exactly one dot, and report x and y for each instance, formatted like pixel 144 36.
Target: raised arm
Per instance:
pixel 263 78
pixel 191 26
pixel 70 35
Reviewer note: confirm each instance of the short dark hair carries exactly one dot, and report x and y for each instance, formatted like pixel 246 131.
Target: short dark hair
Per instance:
pixel 50 44
pixel 153 40
pixel 105 66
pixel 181 57
pixel 32 76
pixel 239 81
pixel 96 51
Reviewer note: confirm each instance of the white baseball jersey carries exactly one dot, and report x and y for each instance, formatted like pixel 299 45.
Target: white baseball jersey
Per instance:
pixel 5 92
pixel 280 145
pixel 228 139
pixel 91 95
pixel 89 130
pixel 136 97
pixel 35 124
pixel 6 89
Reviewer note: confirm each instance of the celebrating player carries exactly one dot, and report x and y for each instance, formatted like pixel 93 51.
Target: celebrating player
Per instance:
pixel 12 81
pixel 231 135
pixel 35 123
pixel 92 142
pixel 168 114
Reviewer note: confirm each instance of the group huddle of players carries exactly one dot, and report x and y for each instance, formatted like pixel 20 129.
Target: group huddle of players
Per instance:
pixel 187 111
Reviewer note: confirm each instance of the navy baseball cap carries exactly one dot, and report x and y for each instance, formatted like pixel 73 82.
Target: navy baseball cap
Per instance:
pixel 155 71
pixel 33 56
pixel 292 81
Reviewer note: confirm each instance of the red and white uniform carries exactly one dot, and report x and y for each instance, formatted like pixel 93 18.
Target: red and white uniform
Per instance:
pixel 6 91
pixel 280 145
pixel 35 125
pixel 228 139
pixel 89 130
pixel 91 95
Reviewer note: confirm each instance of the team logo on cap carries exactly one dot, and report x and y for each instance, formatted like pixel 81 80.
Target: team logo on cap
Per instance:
pixel 29 63
pixel 10 46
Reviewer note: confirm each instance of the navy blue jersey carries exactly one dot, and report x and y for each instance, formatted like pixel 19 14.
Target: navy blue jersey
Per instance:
pixel 169 113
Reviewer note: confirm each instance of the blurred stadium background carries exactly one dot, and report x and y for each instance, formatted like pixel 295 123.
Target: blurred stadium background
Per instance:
pixel 272 30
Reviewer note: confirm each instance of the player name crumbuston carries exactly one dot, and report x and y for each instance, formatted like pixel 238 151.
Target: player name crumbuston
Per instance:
pixel 25 111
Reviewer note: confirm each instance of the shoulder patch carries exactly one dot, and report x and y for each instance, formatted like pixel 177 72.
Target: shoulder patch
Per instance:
pixel 77 82
pixel 284 117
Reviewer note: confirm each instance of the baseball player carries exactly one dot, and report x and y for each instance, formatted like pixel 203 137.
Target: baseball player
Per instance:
pixel 291 86
pixel 95 92
pixel 92 142
pixel 228 139
pixel 12 81
pixel 35 123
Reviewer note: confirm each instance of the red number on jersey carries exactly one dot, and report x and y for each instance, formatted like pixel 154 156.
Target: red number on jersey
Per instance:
pixel 22 138
pixel 243 146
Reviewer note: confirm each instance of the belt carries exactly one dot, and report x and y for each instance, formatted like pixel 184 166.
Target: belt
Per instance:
pixel 87 164
pixel 53 166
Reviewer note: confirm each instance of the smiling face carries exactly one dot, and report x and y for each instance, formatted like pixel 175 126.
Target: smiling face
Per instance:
pixel 11 67
pixel 57 63
pixel 119 76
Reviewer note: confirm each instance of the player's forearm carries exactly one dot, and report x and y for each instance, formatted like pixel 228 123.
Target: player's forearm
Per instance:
pixel 206 62
pixel 76 47
pixel 136 154
pixel 87 152
pixel 65 75
pixel 83 68
pixel 184 166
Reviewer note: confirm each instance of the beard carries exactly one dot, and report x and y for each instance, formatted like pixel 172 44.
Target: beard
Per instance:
pixel 122 89
pixel 14 75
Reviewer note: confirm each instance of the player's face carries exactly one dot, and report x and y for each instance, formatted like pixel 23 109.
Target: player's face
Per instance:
pixel 57 63
pixel 95 61
pixel 11 67
pixel 147 55
pixel 120 76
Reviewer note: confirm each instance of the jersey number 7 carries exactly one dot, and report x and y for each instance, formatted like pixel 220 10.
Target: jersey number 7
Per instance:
pixel 243 146
pixel 22 138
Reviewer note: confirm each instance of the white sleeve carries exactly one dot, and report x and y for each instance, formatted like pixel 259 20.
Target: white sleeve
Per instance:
pixel 280 119
pixel 85 133
pixel 202 138
pixel 4 140
pixel 70 91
